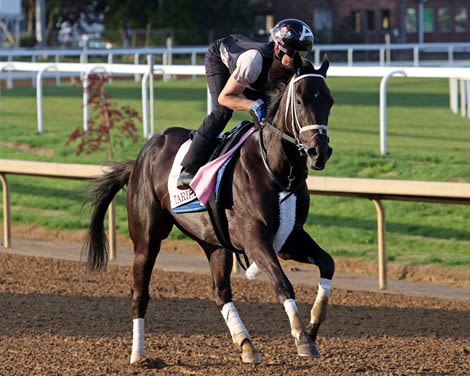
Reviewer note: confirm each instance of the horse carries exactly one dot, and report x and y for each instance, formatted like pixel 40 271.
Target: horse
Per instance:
pixel 270 202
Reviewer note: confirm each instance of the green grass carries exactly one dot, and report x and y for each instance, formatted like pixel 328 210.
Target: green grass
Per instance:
pixel 425 142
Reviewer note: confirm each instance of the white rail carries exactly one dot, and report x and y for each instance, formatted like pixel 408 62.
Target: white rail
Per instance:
pixel 384 53
pixel 454 74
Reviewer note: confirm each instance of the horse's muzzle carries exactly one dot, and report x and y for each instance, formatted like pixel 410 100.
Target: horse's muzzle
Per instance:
pixel 318 156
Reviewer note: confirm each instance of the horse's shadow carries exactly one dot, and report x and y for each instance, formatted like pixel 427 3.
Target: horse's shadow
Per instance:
pixel 77 315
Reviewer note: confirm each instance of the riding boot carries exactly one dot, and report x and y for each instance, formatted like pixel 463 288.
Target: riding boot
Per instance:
pixel 198 155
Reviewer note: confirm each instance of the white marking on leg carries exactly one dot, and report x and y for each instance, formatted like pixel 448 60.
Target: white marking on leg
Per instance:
pixel 234 323
pixel 293 313
pixel 318 313
pixel 324 288
pixel 287 212
pixel 138 350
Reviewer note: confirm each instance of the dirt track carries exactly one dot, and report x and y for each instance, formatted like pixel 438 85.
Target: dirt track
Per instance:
pixel 56 320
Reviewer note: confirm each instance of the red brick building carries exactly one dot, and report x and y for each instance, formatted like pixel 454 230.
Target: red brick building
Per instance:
pixel 372 21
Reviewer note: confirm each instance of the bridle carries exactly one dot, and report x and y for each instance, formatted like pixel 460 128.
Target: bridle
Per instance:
pixel 297 130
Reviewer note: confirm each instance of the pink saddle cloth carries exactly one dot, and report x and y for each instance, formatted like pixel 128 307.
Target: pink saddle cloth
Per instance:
pixel 204 181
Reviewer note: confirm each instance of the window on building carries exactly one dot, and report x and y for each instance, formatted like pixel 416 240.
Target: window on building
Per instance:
pixel 411 20
pixel 385 19
pixel 322 19
pixel 370 18
pixel 356 19
pixel 429 22
pixel 461 20
pixel 443 20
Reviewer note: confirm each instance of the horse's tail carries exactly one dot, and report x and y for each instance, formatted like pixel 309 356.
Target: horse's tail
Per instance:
pixel 100 196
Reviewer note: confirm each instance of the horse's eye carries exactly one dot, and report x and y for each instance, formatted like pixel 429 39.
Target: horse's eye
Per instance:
pixel 299 102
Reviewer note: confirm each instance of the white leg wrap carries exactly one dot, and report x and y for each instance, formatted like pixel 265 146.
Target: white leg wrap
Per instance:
pixel 324 288
pixel 234 323
pixel 138 350
pixel 292 312
pixel 253 271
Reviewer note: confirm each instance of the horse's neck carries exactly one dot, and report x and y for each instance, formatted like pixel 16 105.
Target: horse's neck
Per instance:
pixel 283 157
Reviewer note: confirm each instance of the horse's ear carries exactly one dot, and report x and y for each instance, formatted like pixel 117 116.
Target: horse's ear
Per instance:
pixel 298 64
pixel 324 66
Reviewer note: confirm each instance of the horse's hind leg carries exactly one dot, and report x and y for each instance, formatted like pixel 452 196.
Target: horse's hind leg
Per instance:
pixel 149 224
pixel 221 262
pixel 302 248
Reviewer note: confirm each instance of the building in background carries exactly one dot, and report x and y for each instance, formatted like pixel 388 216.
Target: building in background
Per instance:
pixel 373 21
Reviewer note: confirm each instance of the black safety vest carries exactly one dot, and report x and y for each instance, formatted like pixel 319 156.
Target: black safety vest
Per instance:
pixel 237 44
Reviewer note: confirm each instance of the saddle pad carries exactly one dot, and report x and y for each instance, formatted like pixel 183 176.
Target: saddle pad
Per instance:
pixel 182 200
pixel 205 180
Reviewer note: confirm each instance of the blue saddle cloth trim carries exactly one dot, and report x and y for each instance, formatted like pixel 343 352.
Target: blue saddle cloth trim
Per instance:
pixel 196 205
pixel 190 207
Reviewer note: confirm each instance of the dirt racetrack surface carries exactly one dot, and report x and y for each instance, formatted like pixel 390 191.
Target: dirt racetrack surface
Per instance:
pixel 57 320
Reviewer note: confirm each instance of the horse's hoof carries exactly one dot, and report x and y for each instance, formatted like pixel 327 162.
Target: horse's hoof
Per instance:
pixel 252 357
pixel 306 347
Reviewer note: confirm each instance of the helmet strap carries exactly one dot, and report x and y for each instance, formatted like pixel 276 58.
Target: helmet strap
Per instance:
pixel 278 53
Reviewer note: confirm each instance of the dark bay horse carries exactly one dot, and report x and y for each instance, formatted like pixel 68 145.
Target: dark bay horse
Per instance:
pixel 270 207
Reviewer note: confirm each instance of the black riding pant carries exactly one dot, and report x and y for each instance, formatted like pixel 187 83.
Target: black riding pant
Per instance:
pixel 205 138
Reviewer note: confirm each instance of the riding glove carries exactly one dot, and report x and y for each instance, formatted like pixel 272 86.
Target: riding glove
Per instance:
pixel 258 111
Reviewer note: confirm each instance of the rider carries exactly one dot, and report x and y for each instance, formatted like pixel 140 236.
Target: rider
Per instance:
pixel 237 65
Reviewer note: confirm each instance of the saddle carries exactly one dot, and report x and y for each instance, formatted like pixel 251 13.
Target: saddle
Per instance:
pixel 221 198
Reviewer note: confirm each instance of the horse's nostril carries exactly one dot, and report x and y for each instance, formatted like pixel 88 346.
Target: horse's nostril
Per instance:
pixel 312 152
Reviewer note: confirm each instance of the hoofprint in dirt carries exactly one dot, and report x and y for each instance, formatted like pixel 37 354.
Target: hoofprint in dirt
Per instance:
pixel 56 319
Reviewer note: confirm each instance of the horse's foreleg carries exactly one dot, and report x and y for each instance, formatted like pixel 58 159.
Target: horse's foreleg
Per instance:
pixel 221 263
pixel 266 259
pixel 318 313
pixel 302 248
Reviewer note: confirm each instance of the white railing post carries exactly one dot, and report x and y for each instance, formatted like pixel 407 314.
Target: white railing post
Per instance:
pixel 382 57
pixel 467 96
pixel 193 62
pixel 39 96
pixel 463 98
pixel 110 62
pixel 416 56
pixel 10 79
pixel 145 104
pixel 454 95
pixel 151 63
pixel 350 57
pixel 317 56
pixel 57 76
pixel 383 109
pixel 136 62
pixel 33 75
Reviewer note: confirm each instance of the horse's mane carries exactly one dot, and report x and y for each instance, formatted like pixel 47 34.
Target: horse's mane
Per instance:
pixel 275 88
pixel 274 94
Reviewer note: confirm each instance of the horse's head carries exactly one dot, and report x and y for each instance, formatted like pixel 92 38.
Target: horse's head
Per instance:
pixel 308 104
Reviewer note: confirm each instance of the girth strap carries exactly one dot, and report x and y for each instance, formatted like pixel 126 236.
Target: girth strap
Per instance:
pixel 220 223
